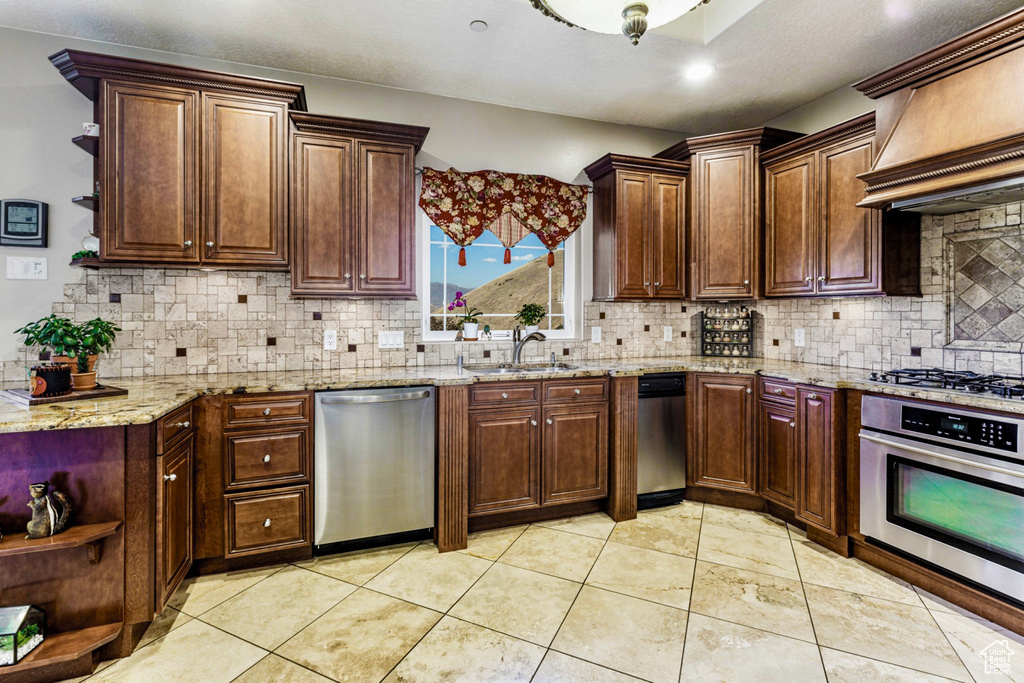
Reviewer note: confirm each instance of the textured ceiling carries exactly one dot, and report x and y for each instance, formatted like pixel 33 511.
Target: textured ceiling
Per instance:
pixel 778 56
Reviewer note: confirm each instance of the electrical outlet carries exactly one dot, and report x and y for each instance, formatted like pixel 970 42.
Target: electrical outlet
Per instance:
pixel 798 337
pixel 391 340
pixel 666 333
pixel 330 340
pixel 26 267
pixel 595 335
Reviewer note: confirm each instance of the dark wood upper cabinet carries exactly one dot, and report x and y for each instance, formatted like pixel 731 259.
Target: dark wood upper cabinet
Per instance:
pixel 639 228
pixel 353 207
pixel 150 209
pixel 245 180
pixel 722 454
pixel 818 242
pixel 725 211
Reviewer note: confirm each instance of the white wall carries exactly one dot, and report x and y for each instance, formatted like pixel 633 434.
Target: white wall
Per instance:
pixel 41 112
pixel 828 110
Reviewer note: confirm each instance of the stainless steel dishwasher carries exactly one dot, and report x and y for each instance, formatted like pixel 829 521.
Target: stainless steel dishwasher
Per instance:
pixel 374 461
pixel 661 447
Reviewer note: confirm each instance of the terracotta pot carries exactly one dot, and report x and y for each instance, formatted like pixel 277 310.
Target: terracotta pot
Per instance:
pixel 82 381
pixel 73 362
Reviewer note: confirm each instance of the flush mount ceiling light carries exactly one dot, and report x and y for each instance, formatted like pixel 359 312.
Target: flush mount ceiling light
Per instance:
pixel 698 72
pixel 614 16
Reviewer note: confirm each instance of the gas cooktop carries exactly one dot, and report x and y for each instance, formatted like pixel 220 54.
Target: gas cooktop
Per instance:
pixel 998 386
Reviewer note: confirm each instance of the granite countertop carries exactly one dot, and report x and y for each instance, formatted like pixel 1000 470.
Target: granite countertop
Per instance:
pixel 152 397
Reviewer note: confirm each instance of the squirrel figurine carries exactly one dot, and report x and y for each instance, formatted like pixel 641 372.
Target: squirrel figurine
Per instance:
pixel 45 521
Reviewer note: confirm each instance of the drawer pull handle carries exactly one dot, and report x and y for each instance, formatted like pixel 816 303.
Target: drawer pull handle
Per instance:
pixel 777 391
pixel 578 392
pixel 792 424
pixel 266 523
pixel 533 422
pixel 266 458
pixel 170 477
pixel 812 396
pixel 266 411
pixel 504 395
pixel 182 424
pixel 550 421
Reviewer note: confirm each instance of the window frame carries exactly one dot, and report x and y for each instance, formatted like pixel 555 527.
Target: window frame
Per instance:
pixel 572 305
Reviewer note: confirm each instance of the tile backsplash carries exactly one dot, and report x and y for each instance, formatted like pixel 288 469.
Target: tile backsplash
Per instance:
pixel 187 321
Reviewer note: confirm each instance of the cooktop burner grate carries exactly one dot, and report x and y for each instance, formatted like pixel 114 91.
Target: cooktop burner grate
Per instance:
pixel 1004 386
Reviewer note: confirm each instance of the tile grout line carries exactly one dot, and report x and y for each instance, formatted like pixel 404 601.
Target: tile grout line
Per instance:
pixel 693 583
pixel 807 603
pixel 948 641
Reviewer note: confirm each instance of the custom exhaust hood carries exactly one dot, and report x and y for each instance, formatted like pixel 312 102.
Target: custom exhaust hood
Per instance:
pixel 950 124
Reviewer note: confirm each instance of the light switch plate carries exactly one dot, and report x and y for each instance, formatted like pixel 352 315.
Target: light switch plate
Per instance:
pixel 390 340
pixel 595 335
pixel 330 340
pixel 798 337
pixel 666 333
pixel 26 267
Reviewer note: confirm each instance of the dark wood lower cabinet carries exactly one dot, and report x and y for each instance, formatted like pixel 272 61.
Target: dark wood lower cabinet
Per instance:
pixel 722 415
pixel 777 432
pixel 173 521
pixel 818 482
pixel 504 460
pixel 575 453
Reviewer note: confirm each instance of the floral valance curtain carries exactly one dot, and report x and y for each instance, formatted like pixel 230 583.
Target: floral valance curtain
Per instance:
pixel 510 205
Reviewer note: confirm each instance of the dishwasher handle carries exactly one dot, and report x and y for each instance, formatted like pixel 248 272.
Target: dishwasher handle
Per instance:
pixel 374 398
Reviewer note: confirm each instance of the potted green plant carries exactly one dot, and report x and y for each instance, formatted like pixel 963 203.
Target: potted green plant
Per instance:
pixel 470 327
pixel 55 333
pixel 92 338
pixel 530 316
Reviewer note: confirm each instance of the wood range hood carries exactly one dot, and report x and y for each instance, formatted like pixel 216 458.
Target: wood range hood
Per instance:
pixel 951 124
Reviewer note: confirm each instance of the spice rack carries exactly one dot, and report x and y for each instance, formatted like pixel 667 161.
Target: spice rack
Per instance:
pixel 727 332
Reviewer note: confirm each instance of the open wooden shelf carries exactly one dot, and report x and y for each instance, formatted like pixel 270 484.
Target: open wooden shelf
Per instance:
pixel 88 535
pixel 92 262
pixel 66 647
pixel 88 201
pixel 90 143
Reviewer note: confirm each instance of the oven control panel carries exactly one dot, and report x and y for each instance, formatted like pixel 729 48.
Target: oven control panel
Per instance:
pixel 966 429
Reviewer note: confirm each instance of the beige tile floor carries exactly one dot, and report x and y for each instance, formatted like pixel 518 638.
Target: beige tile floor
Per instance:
pixel 688 593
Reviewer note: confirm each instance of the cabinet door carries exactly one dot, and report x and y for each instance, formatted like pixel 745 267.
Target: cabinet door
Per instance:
pixel 777 443
pixel 504 460
pixel 575 453
pixel 723 457
pixel 173 521
pixel 725 247
pixel 850 249
pixel 149 204
pixel 386 232
pixel 323 216
pixel 790 245
pixel 668 232
pixel 632 235
pixel 816 477
pixel 245 179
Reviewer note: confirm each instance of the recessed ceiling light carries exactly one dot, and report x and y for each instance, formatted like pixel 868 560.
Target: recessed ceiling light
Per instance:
pixel 698 72
pixel 478 26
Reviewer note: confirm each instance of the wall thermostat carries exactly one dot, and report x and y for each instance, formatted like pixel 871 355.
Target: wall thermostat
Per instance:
pixel 24 223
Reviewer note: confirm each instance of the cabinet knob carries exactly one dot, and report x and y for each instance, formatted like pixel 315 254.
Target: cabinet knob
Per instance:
pixel 504 395
pixel 746 282
pixel 170 477
pixel 533 422
pixel 792 424
pixel 348 276
pixel 777 391
pixel 812 396
pixel 578 392
pixel 550 421
pixel 647 284
pixel 209 244
pixel 808 279
pixel 266 411
pixel 821 278
pixel 362 277
pixel 182 424
pixel 657 284
pixel 266 523
pixel 266 458
pixel 188 243
pixel 750 391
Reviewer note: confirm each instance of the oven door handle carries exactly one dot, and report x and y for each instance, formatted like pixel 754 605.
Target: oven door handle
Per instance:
pixel 940 456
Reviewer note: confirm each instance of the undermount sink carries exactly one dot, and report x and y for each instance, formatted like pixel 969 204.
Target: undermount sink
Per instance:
pixel 506 369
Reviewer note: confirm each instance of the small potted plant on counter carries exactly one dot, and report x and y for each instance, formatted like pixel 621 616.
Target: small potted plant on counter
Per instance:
pixel 55 333
pixel 93 337
pixel 470 328
pixel 530 316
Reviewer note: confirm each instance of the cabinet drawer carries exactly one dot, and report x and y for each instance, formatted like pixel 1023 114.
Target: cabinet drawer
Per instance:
pixel 266 410
pixel 572 391
pixel 263 459
pixel 173 428
pixel 501 393
pixel 777 389
pixel 262 522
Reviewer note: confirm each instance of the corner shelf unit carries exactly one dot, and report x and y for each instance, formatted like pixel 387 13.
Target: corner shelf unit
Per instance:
pixel 88 201
pixel 90 143
pixel 87 535
pixel 59 648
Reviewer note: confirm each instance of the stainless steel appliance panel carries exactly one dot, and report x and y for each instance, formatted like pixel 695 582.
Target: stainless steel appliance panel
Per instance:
pixel 374 460
pixel 661 447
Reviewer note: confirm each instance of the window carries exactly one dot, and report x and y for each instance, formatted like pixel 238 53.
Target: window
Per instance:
pixel 498 289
